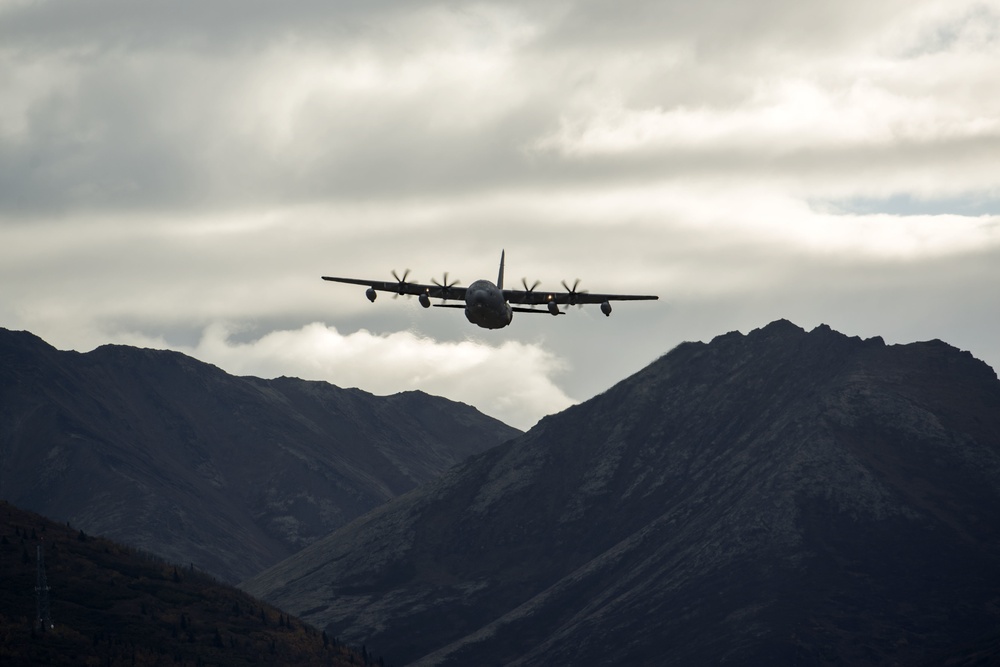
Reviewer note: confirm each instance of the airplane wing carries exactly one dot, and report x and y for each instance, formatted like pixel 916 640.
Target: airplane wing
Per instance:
pixel 567 298
pixel 403 287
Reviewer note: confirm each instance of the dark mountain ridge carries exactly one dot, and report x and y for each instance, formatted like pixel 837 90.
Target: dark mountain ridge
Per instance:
pixel 173 455
pixel 112 605
pixel 777 498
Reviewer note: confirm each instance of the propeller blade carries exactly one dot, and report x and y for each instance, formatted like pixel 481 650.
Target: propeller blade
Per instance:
pixel 528 290
pixel 402 281
pixel 573 292
pixel 444 284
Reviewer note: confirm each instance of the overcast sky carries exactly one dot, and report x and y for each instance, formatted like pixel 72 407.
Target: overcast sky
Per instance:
pixel 180 174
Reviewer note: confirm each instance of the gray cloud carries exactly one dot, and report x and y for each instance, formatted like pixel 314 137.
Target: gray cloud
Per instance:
pixel 369 102
pixel 172 171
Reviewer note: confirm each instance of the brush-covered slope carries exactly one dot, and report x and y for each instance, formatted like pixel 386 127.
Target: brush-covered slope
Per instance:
pixel 233 474
pixel 781 497
pixel 111 605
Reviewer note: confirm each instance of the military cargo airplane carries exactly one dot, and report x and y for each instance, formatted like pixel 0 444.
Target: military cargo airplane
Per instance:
pixel 489 305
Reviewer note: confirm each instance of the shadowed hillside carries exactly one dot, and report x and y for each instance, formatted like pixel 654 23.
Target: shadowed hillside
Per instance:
pixel 173 455
pixel 111 605
pixel 779 498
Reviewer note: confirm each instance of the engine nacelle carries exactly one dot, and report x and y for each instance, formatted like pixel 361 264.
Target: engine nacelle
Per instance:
pixel 553 307
pixel 606 308
pixel 424 300
pixel 371 294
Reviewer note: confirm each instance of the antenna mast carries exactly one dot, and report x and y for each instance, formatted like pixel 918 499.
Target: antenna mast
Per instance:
pixel 42 593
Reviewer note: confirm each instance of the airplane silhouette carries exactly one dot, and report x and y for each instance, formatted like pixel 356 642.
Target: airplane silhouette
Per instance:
pixel 489 305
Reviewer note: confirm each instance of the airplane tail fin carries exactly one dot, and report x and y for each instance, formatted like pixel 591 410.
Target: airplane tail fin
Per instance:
pixel 500 277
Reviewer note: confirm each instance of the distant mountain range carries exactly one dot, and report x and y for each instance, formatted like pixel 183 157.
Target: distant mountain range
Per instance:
pixel 777 498
pixel 231 474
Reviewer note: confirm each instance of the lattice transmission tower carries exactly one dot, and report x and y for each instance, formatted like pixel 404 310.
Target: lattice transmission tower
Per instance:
pixel 42 593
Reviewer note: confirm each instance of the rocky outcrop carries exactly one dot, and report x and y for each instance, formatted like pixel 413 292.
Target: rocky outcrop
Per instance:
pixel 780 497
pixel 232 474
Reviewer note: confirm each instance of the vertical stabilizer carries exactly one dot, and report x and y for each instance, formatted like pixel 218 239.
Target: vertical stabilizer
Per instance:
pixel 500 277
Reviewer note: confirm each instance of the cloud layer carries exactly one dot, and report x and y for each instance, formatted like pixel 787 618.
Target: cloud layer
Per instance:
pixel 183 173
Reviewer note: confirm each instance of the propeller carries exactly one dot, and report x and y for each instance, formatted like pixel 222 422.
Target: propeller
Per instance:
pixel 528 290
pixel 572 292
pixel 444 285
pixel 402 281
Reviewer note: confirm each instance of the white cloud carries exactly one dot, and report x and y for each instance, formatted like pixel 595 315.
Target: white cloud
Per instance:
pixel 511 381
pixel 783 115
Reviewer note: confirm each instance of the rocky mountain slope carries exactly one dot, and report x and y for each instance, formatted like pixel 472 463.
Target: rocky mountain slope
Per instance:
pixel 233 474
pixel 111 605
pixel 780 497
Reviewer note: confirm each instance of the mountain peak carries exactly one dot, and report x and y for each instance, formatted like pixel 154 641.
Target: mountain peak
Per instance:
pixel 233 474
pixel 774 496
pixel 782 327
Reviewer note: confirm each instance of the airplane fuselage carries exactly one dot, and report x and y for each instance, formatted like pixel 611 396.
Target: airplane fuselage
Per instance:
pixel 486 307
